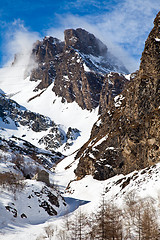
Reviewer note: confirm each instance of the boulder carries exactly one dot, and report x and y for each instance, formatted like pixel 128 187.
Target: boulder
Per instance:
pixel 42 176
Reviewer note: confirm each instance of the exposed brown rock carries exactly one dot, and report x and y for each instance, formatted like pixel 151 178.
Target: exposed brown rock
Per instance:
pixel 114 84
pixel 127 136
pixel 150 61
pixel 44 53
pixel 85 42
pixel 73 83
pixel 77 67
pixel 42 176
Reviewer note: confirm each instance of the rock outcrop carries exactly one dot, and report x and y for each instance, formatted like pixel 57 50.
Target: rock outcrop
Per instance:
pixel 85 42
pixel 42 176
pixel 77 66
pixel 38 199
pixel 45 54
pixel 14 116
pixel 127 136
pixel 114 84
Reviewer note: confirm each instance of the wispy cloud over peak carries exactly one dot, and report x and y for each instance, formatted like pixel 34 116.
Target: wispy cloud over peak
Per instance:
pixel 18 39
pixel 123 29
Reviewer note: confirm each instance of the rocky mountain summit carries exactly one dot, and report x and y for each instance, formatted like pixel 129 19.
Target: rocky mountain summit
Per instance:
pixel 77 67
pixel 127 136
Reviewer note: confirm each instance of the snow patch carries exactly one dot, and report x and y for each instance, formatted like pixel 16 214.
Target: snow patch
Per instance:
pixel 98 123
pixel 157 39
pixel 86 69
pixel 128 77
pixel 118 100
pixel 100 141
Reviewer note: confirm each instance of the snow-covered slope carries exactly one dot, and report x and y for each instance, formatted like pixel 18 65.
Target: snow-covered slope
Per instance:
pixel 26 201
pixel 64 114
pixel 87 193
pixel 60 80
pixel 22 154
pixel 35 204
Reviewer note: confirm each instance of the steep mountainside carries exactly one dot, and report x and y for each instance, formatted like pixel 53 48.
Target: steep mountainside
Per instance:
pixel 114 84
pixel 77 66
pixel 44 117
pixel 127 136
pixel 59 80
pixel 32 127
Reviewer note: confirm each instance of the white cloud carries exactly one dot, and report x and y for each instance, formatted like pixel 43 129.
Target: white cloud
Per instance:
pixel 124 29
pixel 130 21
pixel 71 21
pixel 18 40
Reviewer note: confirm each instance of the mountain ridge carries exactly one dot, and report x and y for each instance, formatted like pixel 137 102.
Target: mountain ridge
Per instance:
pixel 77 66
pixel 126 137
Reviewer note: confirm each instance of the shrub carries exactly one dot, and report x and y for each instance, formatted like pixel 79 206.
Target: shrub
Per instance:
pixel 11 182
pixel 18 160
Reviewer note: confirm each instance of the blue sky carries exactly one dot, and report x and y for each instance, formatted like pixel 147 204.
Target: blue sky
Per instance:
pixel 123 25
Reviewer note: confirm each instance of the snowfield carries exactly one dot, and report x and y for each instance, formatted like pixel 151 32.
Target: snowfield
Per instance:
pixel 46 103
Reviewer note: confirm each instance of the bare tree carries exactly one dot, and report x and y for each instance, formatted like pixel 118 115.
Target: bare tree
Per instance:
pixel 150 229
pixel 109 226
pixel 49 231
pixel 62 235
pixel 74 227
pixel 78 226
pixel 92 227
pixel 140 219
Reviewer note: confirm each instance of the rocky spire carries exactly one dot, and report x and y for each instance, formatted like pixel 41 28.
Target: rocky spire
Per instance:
pixel 77 67
pixel 85 42
pixel 150 61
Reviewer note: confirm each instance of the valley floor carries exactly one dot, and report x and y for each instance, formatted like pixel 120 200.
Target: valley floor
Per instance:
pixel 85 195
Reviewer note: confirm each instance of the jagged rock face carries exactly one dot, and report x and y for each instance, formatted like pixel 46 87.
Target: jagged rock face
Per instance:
pixel 127 136
pixel 20 146
pixel 73 83
pixel 35 121
pixel 57 137
pixel 113 85
pixel 45 53
pixel 85 42
pixel 77 67
pixel 150 61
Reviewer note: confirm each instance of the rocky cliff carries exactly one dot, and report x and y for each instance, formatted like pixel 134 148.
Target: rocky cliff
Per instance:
pixel 45 54
pixel 113 84
pixel 77 66
pixel 127 136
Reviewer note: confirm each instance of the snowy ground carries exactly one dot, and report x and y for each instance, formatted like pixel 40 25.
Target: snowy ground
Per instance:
pixel 67 115
pixel 48 104
pixel 87 194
